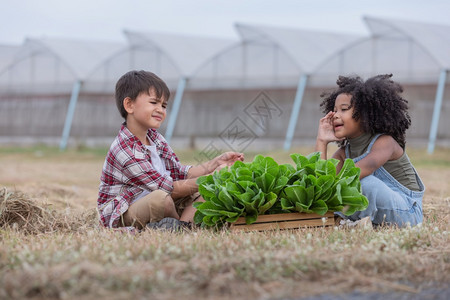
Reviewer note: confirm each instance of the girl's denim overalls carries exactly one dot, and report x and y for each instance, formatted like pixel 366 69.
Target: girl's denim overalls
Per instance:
pixel 389 201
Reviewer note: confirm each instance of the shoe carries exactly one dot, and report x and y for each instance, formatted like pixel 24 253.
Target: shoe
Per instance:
pixel 186 225
pixel 169 224
pixel 365 223
pixel 338 220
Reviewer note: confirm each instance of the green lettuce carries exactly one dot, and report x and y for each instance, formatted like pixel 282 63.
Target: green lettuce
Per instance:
pixel 311 185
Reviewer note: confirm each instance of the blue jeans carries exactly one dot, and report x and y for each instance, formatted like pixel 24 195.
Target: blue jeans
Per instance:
pixel 390 202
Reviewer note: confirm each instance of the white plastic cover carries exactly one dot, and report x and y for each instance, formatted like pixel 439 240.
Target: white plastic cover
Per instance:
pixel 53 65
pixel 264 57
pixel 186 52
pixel 271 56
pixel 433 38
pixel 413 52
pixel 7 53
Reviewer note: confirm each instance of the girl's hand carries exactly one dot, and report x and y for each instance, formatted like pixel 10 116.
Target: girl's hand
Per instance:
pixel 325 133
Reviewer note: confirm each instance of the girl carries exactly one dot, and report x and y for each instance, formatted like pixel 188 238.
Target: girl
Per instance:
pixel 368 120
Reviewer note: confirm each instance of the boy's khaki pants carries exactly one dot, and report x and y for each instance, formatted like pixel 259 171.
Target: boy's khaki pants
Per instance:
pixel 150 208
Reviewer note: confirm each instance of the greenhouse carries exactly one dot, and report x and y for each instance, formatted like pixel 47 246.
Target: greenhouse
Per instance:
pixel 271 59
pixel 7 53
pixel 418 55
pixel 265 84
pixel 44 76
pixel 184 54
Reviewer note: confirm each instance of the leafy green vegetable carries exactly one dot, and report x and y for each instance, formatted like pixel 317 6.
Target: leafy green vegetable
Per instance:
pixel 264 187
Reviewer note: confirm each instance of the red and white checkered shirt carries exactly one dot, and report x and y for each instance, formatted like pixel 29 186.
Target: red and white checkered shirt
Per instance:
pixel 128 171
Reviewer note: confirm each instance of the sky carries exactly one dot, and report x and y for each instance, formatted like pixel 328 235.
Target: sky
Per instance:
pixel 107 19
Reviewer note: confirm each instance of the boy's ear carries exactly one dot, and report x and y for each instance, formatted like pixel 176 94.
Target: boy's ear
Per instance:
pixel 128 105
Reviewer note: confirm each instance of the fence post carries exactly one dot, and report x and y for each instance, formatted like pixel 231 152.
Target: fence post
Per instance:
pixel 295 111
pixel 437 111
pixel 176 107
pixel 70 112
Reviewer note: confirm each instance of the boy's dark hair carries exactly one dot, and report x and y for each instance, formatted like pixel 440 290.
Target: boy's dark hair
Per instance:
pixel 377 104
pixel 132 83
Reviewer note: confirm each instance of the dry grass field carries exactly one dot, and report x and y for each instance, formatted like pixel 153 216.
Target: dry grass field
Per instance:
pixel 51 246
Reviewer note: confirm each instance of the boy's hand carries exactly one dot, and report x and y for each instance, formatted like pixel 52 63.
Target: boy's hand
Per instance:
pixel 220 167
pixel 228 158
pixel 224 160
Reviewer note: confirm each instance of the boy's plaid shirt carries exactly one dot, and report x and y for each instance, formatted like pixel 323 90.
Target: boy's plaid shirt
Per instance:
pixel 128 171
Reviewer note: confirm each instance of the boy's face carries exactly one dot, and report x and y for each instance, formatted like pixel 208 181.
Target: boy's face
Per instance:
pixel 147 111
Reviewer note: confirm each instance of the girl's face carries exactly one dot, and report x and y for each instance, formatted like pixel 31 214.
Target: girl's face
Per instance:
pixel 344 124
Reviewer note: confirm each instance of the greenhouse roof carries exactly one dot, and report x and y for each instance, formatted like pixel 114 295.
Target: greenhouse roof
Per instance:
pixel 307 48
pixel 79 56
pixel 186 52
pixel 434 38
pixel 264 56
pixel 7 53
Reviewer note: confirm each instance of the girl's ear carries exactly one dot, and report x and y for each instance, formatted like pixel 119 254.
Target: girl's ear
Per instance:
pixel 128 105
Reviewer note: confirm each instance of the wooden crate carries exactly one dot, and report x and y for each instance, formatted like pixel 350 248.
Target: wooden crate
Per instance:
pixel 284 221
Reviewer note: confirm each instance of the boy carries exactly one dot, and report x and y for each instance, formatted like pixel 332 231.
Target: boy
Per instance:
pixel 143 182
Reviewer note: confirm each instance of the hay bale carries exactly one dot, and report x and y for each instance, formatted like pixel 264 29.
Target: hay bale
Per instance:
pixel 19 212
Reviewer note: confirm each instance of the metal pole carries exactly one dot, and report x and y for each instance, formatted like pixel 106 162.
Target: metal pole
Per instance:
pixel 176 107
pixel 437 111
pixel 70 112
pixel 295 111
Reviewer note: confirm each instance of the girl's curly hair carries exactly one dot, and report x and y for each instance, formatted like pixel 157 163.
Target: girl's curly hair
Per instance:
pixel 377 104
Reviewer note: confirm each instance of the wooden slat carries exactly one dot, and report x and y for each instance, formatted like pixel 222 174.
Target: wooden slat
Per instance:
pixel 285 217
pixel 283 225
pixel 284 221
